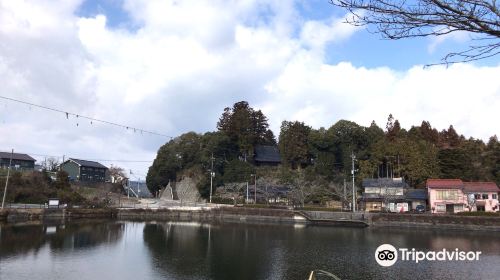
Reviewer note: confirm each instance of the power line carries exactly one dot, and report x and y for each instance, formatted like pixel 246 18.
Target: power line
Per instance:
pixel 108 160
pixel 88 118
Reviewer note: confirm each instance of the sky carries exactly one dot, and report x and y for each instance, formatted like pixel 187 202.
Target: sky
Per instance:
pixel 173 66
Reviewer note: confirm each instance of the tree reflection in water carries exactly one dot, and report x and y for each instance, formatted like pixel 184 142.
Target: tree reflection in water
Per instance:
pixel 30 238
pixel 214 251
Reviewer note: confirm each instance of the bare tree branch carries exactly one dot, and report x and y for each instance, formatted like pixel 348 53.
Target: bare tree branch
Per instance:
pixel 421 18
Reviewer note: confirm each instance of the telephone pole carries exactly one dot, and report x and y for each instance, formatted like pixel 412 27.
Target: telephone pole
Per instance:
pixel 254 188
pixel 353 157
pixel 344 200
pixel 7 180
pixel 212 175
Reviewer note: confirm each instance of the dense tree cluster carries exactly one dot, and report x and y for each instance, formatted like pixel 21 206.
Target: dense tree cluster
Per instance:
pixel 38 187
pixel 416 154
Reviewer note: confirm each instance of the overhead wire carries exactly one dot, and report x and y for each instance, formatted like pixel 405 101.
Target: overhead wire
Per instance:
pixel 67 114
pixel 107 160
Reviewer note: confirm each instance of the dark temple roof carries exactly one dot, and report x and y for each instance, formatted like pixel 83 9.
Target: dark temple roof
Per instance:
pixel 16 156
pixel 267 154
pixel 87 163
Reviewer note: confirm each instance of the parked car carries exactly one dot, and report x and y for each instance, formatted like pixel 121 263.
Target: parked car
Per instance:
pixel 420 209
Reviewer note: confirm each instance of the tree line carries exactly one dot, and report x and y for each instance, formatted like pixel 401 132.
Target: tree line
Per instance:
pixel 416 154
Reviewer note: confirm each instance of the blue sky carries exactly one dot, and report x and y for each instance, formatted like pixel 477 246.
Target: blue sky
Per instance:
pixel 173 66
pixel 363 49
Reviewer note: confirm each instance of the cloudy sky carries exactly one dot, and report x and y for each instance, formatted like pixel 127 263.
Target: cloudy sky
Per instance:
pixel 172 66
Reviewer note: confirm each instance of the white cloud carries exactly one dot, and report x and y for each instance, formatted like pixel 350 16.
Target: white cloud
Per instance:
pixel 465 96
pixel 457 36
pixel 187 60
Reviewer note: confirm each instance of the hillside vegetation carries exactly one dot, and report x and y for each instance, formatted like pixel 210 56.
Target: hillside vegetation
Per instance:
pixel 37 187
pixel 320 159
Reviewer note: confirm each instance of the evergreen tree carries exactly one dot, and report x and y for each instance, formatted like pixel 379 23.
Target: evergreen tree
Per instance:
pixel 453 164
pixel 246 127
pixel 293 143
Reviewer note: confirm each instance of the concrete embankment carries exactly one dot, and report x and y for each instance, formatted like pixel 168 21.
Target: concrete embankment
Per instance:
pixel 214 214
pixel 16 215
pixel 407 220
pixel 241 214
pixel 436 221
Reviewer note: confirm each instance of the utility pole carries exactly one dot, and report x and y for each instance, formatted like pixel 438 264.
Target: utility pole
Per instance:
pixel 212 175
pixel 345 197
pixel 247 194
pixel 399 170
pixel 138 190
pixel 353 186
pixel 7 180
pixel 254 188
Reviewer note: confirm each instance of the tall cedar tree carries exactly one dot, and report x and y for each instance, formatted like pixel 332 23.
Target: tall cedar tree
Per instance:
pixel 246 127
pixel 293 142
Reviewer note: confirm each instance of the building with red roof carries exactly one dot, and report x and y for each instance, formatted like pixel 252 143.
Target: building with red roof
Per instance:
pixel 454 195
pixel 482 196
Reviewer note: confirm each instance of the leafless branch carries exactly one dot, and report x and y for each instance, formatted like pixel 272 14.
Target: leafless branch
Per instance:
pixel 421 18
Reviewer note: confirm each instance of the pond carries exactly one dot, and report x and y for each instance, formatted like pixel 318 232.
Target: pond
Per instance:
pixel 190 250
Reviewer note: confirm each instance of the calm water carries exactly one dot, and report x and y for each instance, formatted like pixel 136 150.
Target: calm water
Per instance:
pixel 177 250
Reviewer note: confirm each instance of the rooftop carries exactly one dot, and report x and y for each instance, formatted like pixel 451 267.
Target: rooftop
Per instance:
pixel 480 187
pixel 267 154
pixel 87 163
pixel 385 182
pixel 444 183
pixel 16 156
pixel 420 194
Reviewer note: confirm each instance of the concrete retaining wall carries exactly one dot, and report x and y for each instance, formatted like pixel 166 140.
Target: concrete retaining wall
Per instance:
pixel 15 215
pixel 436 221
pixel 237 214
pixel 213 214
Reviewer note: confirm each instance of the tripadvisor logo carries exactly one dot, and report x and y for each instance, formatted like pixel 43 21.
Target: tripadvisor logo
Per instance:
pixel 387 255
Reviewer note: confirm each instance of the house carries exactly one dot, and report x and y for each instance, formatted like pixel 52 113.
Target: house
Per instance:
pixel 19 161
pixel 416 197
pixel 384 193
pixel 482 196
pixel 266 155
pixel 84 170
pixel 446 195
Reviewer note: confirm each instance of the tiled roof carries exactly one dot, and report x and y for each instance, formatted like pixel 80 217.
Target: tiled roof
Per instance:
pixel 416 194
pixel 88 163
pixel 445 183
pixel 267 154
pixel 385 182
pixel 480 187
pixel 16 156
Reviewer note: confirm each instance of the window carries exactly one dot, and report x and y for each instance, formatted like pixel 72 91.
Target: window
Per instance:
pixel 494 196
pixel 477 196
pixel 485 196
pixel 447 194
pixel 440 208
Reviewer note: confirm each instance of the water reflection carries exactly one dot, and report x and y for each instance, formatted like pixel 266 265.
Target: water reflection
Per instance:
pixel 239 251
pixel 30 238
pixel 180 250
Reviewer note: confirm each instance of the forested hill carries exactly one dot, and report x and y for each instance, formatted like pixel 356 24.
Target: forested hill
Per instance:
pixel 416 154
